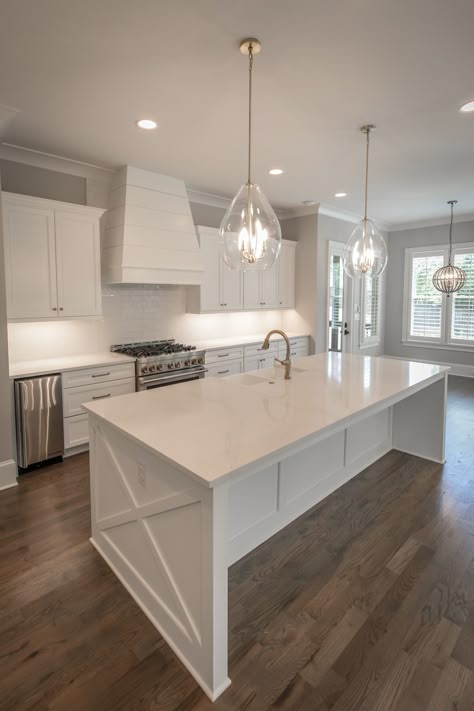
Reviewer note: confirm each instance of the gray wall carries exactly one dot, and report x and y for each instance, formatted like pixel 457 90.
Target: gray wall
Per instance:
pixel 304 230
pixel 6 415
pixel 207 215
pixel 397 243
pixel 30 180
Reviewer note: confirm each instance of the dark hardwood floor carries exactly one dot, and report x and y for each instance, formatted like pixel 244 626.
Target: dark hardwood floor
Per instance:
pixel 366 603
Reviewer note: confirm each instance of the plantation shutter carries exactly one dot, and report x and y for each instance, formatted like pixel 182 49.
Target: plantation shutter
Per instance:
pixel 371 309
pixel 426 302
pixel 462 320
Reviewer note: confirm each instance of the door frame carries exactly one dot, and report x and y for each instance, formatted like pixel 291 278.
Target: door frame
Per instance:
pixel 337 249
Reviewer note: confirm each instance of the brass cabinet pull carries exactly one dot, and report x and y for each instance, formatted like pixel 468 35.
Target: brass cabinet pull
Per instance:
pixel 100 397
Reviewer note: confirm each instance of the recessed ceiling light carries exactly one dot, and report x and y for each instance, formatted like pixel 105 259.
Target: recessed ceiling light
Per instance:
pixel 467 108
pixel 340 194
pixel 148 124
pixel 275 171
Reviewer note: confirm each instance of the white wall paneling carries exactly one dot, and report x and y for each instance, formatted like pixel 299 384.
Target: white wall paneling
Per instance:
pixel 156 530
pixel 419 422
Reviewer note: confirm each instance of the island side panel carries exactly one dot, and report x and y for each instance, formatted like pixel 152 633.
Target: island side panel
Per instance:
pixel 165 537
pixel 419 422
pixel 268 499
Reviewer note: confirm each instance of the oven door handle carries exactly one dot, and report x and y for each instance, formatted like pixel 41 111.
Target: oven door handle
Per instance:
pixel 190 374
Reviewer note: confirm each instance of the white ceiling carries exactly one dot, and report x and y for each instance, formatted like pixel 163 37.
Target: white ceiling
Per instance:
pixel 81 72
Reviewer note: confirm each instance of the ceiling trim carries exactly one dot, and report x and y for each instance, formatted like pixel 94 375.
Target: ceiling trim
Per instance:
pixel 50 161
pixel 468 217
pixel 202 198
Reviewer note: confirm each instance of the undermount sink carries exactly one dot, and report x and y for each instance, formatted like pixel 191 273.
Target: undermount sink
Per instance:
pixel 270 376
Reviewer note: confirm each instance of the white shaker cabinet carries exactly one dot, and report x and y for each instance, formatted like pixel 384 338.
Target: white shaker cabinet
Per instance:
pixel 222 288
pixel 261 288
pixel 78 263
pixel 52 258
pixel 275 287
pixel 225 289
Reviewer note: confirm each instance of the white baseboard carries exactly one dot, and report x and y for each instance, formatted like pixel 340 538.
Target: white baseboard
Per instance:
pixel 8 474
pixel 465 371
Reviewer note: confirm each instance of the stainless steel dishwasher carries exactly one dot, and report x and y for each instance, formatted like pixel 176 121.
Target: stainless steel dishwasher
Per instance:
pixel 39 419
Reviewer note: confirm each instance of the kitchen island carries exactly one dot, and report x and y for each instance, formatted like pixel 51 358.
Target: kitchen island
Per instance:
pixel 185 480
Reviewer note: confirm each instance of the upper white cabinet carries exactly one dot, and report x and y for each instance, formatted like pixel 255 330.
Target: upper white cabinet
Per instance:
pixel 224 289
pixel 261 289
pixel 52 258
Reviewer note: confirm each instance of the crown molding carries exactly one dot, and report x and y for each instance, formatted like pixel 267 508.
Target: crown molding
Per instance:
pixel 202 198
pixel 297 211
pixel 436 222
pixel 50 161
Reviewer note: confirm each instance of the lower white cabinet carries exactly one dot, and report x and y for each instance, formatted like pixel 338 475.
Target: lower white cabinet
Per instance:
pixel 221 370
pixel 76 431
pixel 299 347
pixel 238 359
pixel 88 384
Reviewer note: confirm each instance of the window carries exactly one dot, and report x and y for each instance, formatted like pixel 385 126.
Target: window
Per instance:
pixel 370 308
pixel 429 315
pixel 462 321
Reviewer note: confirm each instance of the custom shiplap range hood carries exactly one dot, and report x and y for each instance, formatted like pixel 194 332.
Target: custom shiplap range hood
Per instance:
pixel 149 235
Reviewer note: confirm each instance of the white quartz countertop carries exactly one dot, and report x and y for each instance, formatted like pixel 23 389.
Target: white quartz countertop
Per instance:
pixel 28 368
pixel 213 427
pixel 213 344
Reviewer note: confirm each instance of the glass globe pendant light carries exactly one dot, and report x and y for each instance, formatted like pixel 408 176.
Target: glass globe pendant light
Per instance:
pixel 449 279
pixel 365 252
pixel 250 228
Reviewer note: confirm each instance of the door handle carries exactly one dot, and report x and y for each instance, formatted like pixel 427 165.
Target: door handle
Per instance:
pixel 346 330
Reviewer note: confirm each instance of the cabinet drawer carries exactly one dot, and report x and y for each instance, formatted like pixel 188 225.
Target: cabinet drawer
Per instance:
pixel 73 398
pixel 224 354
pixel 256 349
pixel 298 347
pixel 221 370
pixel 76 431
pixel 98 374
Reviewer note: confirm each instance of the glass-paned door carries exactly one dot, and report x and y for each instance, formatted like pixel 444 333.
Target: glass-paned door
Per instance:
pixel 339 301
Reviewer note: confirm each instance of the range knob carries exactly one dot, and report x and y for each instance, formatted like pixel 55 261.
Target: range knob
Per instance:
pixel 187 363
pixel 159 366
pixel 144 369
pixel 152 368
pixel 177 364
pixel 201 360
pixel 194 361
pixel 170 365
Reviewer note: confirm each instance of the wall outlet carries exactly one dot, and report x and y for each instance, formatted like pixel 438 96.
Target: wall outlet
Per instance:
pixel 141 475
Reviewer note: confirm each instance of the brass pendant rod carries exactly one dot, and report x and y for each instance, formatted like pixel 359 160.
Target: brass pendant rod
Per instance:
pixel 367 131
pixel 249 176
pixel 452 204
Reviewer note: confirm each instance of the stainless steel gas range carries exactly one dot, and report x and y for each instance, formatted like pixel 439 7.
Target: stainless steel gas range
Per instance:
pixel 161 363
